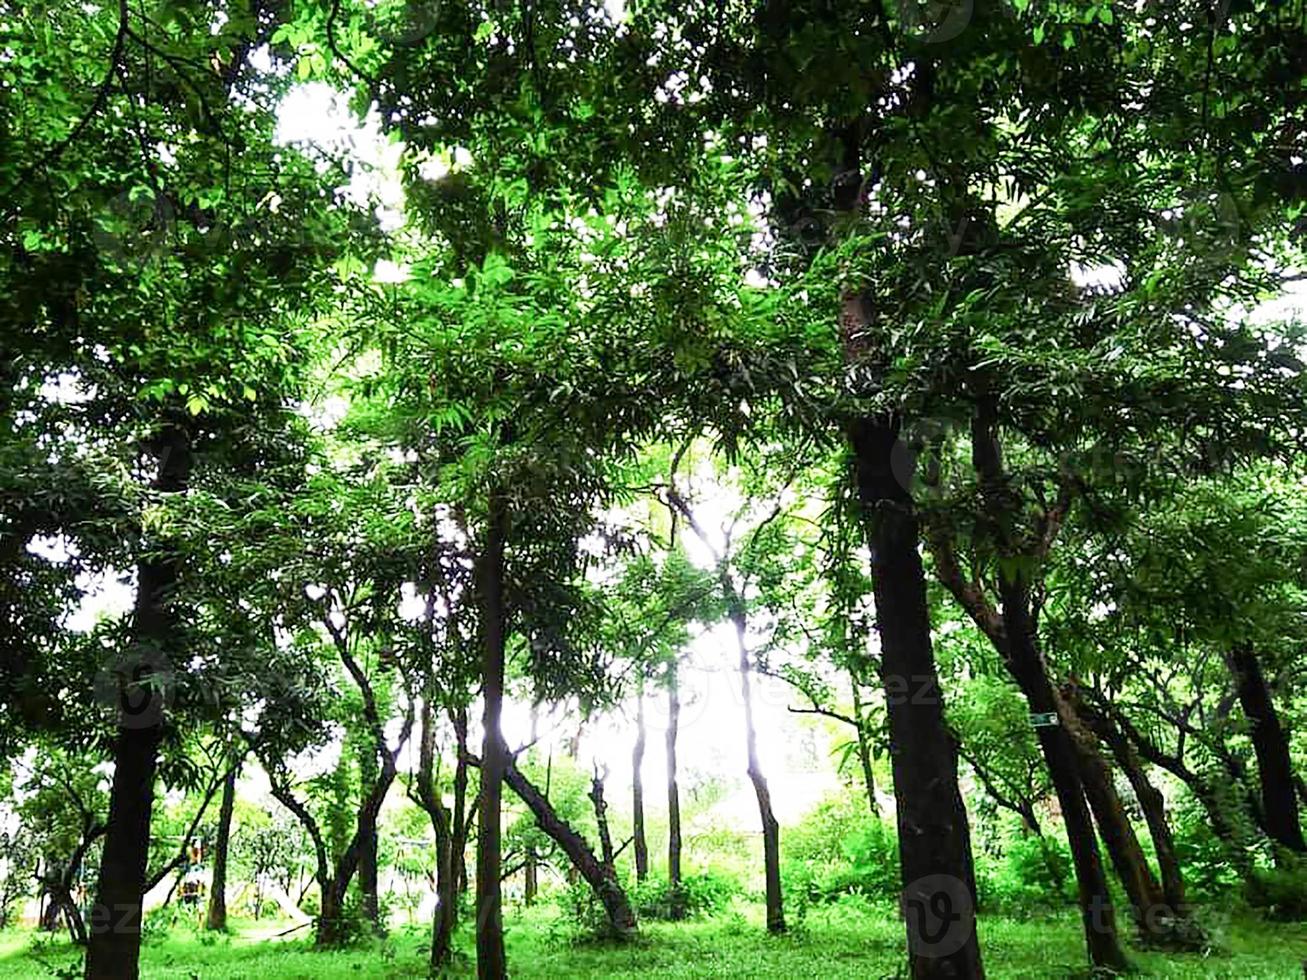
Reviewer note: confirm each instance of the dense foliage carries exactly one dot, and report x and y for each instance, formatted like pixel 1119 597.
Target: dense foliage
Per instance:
pixel 427 423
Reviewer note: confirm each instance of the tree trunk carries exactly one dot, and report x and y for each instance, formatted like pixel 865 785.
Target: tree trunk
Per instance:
pixel 639 842
pixel 428 795
pixel 1152 916
pixel 1149 796
pixel 938 876
pixel 369 877
pixel 531 876
pixel 596 873
pixel 330 926
pixel 677 910
pixel 461 820
pixel 216 919
pixel 1271 743
pixel 1228 830
pixel 1019 647
pixel 1031 674
pixel 491 961
pixel 114 948
pixel 608 856
pixel 934 838
pixel 864 750
pixel 770 828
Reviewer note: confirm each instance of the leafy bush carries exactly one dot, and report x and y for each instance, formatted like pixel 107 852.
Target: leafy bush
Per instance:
pixel 1032 874
pixel 840 849
pixel 581 909
pixel 1281 893
pixel 702 893
pixel 1208 869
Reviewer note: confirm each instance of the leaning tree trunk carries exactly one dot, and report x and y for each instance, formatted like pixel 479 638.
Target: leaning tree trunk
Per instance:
pixel 1228 828
pixel 639 842
pixel 491 960
pixel 114 947
pixel 1031 674
pixel 1271 743
pixel 216 918
pixel 677 910
pixel 1149 796
pixel 771 853
pixel 1154 919
pixel 609 855
pixel 1019 647
pixel 597 874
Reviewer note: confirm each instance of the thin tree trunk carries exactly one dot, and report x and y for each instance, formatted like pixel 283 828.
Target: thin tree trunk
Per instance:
pixel 864 750
pixel 114 947
pixel 491 961
pixel 601 822
pixel 1153 918
pixel 531 876
pixel 216 919
pixel 770 828
pixel 640 844
pixel 1097 913
pixel 673 794
pixel 1271 743
pixel 461 819
pixel 445 919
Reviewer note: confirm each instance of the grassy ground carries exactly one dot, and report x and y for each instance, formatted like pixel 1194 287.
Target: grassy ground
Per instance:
pixel 830 945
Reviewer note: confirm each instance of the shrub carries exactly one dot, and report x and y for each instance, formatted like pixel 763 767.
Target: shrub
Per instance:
pixel 1032 874
pixel 701 893
pixel 1280 893
pixel 840 849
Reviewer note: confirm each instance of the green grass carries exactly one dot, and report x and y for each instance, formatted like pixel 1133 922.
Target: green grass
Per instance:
pixel 832 943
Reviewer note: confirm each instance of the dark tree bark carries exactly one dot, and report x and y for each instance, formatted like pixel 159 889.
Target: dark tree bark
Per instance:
pixel 114 946
pixel 673 793
pixel 1152 917
pixel 1027 665
pixel 1271 743
pixel 1013 634
pixel 637 791
pixel 427 796
pixel 598 875
pixel 491 961
pixel 608 855
pixel 216 918
pixel 369 877
pixel 934 836
pixel 1149 796
pixel 770 828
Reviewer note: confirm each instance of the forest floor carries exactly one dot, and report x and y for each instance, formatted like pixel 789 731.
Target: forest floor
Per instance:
pixel 829 944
